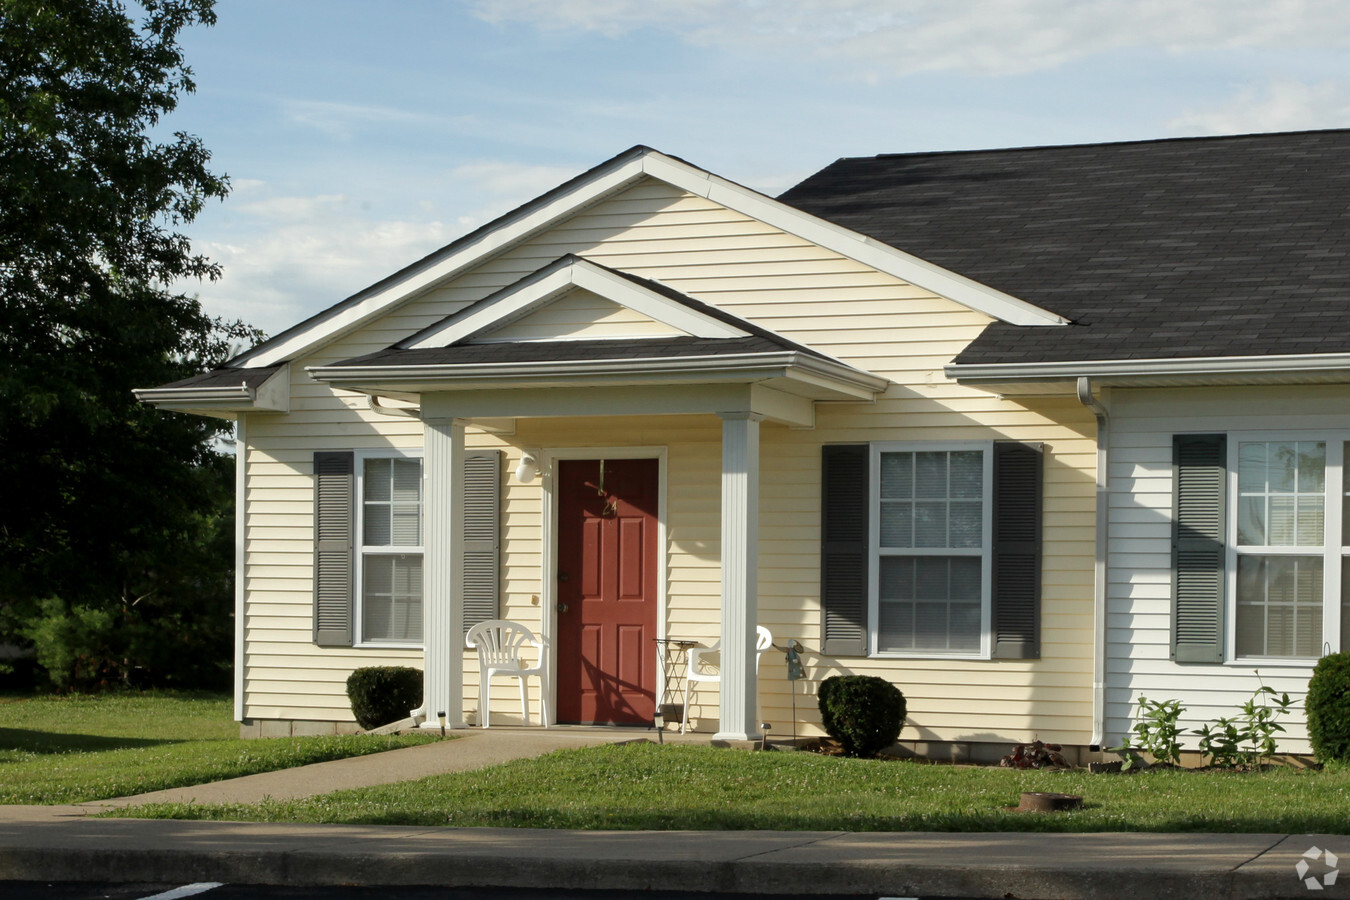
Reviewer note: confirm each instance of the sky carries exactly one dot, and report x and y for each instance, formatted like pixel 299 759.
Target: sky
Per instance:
pixel 360 136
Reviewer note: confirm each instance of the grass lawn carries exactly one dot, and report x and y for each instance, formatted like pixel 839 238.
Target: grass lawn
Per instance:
pixel 69 749
pixel 646 786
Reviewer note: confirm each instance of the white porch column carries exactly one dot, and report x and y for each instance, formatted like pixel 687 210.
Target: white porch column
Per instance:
pixel 443 572
pixel 740 574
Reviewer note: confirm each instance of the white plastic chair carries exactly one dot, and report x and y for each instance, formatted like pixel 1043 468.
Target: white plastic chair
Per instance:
pixel 701 669
pixel 499 644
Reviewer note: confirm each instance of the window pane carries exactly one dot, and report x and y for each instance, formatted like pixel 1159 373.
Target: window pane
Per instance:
pixel 407 526
pixel 1279 606
pixel 967 474
pixel 1252 468
pixel 378 525
pixel 897 475
pixel 930 603
pixel 897 578
pixel 378 479
pixel 1252 521
pixel 1345 605
pixel 1310 521
pixel 895 631
pixel 930 524
pixel 967 524
pixel 1281 467
pixel 1312 466
pixel 930 474
pixel 1281 521
pixel 392 598
pixel 897 524
pixel 407 479
pixel 966 578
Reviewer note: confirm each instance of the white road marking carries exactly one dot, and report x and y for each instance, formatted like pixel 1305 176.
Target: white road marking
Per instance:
pixel 187 890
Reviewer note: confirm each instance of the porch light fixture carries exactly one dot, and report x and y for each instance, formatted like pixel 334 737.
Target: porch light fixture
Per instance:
pixel 528 469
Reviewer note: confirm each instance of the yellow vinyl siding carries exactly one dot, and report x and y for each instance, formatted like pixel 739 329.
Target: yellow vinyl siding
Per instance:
pixel 782 282
pixel 580 314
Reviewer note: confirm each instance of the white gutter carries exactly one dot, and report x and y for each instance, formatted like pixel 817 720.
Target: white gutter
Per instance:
pixel 737 363
pixel 240 518
pixel 1099 565
pixel 1098 369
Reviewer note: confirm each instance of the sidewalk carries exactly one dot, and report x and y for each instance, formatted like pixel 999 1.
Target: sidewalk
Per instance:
pixel 65 843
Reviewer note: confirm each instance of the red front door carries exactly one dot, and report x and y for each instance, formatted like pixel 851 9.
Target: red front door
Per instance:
pixel 607 550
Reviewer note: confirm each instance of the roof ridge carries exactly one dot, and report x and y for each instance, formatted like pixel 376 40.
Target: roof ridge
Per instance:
pixel 1255 135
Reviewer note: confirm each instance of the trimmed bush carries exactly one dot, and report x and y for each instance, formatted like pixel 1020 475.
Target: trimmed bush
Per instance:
pixel 1328 707
pixel 862 712
pixel 383 694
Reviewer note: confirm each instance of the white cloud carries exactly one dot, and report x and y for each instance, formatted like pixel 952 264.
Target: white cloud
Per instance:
pixel 343 121
pixel 287 257
pixel 874 39
pixel 1283 105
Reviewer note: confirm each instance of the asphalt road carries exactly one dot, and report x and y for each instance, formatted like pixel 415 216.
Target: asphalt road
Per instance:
pixel 70 890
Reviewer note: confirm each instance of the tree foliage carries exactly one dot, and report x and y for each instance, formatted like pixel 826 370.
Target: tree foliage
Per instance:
pixel 115 514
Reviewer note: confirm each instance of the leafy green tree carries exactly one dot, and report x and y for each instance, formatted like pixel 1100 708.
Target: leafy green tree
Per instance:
pixel 114 515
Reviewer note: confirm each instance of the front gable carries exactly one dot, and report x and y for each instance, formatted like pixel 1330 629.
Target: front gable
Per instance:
pixel 459 267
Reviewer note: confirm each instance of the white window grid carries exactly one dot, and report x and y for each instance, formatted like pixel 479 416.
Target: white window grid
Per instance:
pixel 876 551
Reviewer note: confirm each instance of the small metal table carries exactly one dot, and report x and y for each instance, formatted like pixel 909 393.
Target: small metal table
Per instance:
pixel 674 656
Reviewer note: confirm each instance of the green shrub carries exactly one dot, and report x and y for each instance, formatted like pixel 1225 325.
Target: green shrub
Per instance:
pixel 862 712
pixel 1328 707
pixel 383 694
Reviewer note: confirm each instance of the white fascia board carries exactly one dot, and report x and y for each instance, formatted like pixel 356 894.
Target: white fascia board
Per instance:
pixel 1156 368
pixel 748 366
pixel 866 250
pixel 533 293
pixel 273 395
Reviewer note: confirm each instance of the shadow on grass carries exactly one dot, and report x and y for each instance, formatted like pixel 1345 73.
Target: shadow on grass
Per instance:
pixel 29 741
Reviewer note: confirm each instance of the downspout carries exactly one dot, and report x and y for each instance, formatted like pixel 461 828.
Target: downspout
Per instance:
pixel 1100 562
pixel 240 561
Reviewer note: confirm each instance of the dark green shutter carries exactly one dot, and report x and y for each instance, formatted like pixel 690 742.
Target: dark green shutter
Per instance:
pixel 482 535
pixel 1016 585
pixel 334 533
pixel 1199 465
pixel 845 506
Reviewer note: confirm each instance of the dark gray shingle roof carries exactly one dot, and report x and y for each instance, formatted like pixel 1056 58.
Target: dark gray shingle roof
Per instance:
pixel 1198 247
pixel 568 351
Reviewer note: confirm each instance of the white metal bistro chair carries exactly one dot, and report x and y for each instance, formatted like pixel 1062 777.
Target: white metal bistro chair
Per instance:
pixel 706 670
pixel 499 644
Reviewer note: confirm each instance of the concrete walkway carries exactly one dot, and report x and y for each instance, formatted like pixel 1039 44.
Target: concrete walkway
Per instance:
pixel 64 844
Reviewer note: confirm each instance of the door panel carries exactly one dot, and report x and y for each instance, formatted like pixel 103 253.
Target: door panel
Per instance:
pixel 607 515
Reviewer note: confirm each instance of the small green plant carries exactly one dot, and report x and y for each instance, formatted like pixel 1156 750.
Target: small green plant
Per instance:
pixel 383 694
pixel 1221 741
pixel 1247 739
pixel 1157 734
pixel 1328 708
pixel 862 712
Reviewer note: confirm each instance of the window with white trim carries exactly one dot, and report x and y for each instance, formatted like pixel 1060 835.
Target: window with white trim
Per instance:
pixel 931 525
pixel 390 558
pixel 1286 573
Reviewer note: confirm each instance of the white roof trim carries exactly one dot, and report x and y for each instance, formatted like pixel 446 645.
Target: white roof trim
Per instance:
pixel 606 180
pixel 533 292
pixel 742 365
pixel 1185 366
pixel 273 395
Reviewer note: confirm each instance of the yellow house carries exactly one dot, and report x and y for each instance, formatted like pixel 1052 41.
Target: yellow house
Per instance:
pixel 653 408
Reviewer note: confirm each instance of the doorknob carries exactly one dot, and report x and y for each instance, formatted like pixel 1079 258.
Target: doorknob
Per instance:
pixel 562 607
pixel 562 576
